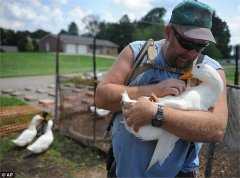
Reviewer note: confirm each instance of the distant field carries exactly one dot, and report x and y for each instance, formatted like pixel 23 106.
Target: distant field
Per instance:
pixel 26 64
pixel 229 71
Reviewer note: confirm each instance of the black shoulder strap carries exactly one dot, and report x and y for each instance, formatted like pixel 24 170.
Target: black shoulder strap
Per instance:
pixel 139 59
pixel 137 62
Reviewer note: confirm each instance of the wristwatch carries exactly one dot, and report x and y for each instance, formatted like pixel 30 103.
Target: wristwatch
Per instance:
pixel 158 119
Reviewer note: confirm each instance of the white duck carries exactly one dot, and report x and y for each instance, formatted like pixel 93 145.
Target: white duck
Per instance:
pixel 200 97
pixel 100 112
pixel 30 133
pixel 44 141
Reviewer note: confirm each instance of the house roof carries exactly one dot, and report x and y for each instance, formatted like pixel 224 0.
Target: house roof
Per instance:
pixel 86 41
pixel 71 39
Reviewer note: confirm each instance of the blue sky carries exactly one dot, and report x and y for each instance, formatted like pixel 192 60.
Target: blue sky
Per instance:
pixel 54 15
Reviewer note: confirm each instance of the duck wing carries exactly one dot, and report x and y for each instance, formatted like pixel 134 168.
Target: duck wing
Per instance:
pixel 42 143
pixel 25 137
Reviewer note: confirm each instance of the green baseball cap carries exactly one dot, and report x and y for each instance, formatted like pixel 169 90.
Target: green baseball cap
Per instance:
pixel 193 19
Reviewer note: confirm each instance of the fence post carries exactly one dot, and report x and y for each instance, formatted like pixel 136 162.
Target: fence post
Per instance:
pixel 236 82
pixel 56 118
pixel 236 78
pixel 209 158
pixel 95 85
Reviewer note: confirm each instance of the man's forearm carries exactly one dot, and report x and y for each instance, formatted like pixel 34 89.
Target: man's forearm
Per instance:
pixel 108 96
pixel 195 125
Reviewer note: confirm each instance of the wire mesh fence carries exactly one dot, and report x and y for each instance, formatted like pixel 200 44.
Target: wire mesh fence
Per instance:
pixel 223 159
pixel 76 118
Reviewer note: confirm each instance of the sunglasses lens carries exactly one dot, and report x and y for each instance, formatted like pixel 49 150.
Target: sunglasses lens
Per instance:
pixel 187 44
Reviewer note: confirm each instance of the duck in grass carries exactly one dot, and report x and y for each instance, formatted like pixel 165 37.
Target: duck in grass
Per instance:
pixel 44 141
pixel 30 133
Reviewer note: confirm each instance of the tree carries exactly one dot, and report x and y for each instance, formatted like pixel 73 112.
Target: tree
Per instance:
pixel 124 19
pixel 155 31
pixel 29 45
pixel 73 29
pixel 155 15
pixel 38 34
pixel 151 25
pixel 25 44
pixel 91 24
pixel 63 32
pixel 120 33
pixel 22 43
pixel 222 35
pixel 124 32
pixel 213 51
pixel 8 37
pixel 35 45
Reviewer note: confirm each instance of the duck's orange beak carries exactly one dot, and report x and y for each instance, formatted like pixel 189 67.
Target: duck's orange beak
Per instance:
pixel 186 75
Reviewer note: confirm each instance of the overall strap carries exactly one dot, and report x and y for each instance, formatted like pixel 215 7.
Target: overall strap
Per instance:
pixel 146 66
pixel 139 59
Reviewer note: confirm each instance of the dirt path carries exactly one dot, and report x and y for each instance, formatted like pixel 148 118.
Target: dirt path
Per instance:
pixel 98 171
pixel 19 83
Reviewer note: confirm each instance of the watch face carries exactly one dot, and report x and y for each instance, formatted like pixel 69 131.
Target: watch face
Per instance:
pixel 159 116
pixel 156 123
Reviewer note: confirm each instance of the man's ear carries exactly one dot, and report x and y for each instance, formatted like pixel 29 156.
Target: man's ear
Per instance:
pixel 167 32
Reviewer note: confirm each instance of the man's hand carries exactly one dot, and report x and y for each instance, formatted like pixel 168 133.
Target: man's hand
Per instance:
pixel 139 113
pixel 170 87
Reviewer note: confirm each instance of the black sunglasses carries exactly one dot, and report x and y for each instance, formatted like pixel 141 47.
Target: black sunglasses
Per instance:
pixel 187 44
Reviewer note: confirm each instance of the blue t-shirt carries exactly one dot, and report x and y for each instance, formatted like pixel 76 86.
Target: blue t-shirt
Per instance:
pixel 133 155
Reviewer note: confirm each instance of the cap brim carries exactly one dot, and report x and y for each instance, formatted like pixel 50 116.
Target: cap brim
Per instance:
pixel 196 32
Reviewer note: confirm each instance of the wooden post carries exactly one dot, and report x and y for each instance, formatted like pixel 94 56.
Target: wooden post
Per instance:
pixel 95 85
pixel 56 117
pixel 236 78
pixel 209 158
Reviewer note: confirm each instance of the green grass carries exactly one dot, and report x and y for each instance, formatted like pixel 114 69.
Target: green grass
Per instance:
pixel 229 71
pixel 5 145
pixel 28 64
pixel 10 101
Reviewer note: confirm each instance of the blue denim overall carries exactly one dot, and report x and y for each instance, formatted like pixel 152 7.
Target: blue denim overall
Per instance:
pixel 133 155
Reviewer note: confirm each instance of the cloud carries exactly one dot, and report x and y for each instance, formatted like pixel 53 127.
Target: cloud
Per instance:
pixel 137 8
pixel 55 15
pixel 135 5
pixel 76 15
pixel 234 26
pixel 63 2
pixel 109 17
pixel 13 25
pixel 33 14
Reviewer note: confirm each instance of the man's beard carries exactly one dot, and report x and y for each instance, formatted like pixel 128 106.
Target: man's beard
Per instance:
pixel 180 63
